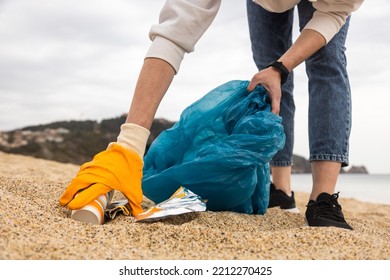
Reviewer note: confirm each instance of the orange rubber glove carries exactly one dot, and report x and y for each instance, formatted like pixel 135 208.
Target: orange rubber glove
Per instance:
pixel 116 168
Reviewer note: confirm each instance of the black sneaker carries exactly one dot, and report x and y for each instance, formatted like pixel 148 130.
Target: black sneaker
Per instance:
pixel 278 198
pixel 325 212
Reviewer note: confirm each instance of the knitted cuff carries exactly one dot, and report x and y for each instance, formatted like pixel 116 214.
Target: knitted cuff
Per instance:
pixel 133 137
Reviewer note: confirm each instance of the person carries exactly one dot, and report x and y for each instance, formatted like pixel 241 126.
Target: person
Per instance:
pixel 321 45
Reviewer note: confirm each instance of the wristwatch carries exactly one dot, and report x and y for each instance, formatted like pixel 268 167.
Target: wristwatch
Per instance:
pixel 281 68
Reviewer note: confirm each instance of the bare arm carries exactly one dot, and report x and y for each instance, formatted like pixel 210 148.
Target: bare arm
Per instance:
pixel 171 40
pixel 307 44
pixel 153 82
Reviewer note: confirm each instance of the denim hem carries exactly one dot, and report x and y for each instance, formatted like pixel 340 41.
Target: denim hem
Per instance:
pixel 280 163
pixel 330 157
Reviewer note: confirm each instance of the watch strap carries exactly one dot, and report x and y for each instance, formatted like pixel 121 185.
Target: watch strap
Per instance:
pixel 281 68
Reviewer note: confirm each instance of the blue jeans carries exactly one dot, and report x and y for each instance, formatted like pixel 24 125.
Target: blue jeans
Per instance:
pixel 329 90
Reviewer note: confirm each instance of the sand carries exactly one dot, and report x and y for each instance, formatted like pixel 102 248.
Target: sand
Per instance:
pixel 33 226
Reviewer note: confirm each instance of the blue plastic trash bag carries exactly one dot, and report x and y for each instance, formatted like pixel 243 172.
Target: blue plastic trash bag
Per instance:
pixel 219 149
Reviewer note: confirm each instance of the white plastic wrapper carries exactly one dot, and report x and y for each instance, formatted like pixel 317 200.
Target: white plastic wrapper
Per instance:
pixel 182 201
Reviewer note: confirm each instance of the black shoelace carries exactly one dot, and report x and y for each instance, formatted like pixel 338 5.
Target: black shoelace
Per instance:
pixel 328 208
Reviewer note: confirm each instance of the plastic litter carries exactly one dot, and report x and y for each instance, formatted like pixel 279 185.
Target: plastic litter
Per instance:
pixel 181 202
pixel 219 149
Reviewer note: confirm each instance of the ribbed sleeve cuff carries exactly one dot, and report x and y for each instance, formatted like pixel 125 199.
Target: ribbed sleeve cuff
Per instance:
pixel 133 137
pixel 166 50
pixel 325 24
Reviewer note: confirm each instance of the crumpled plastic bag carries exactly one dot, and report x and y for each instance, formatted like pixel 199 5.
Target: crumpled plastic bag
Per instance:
pixel 219 149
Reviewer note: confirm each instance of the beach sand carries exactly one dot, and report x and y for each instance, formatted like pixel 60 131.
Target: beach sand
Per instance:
pixel 33 226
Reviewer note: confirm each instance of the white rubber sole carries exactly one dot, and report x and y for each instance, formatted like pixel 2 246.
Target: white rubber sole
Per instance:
pixel 292 210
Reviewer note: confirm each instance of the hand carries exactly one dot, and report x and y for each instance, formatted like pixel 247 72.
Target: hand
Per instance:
pixel 269 78
pixel 116 168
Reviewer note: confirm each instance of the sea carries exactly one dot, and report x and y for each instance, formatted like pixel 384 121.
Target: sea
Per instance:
pixel 373 188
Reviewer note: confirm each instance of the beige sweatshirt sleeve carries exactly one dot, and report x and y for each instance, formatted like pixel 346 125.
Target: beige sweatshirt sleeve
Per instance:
pixel 181 24
pixel 331 15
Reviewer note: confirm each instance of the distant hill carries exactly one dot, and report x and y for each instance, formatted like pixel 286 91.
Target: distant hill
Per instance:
pixel 78 141
pixel 69 141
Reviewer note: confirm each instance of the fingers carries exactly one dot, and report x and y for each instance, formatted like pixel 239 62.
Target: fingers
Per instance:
pixel 88 195
pixel 136 208
pixel 252 84
pixel 78 183
pixel 270 80
pixel 134 196
pixel 275 105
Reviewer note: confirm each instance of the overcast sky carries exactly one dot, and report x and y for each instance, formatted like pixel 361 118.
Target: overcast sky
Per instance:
pixel 79 59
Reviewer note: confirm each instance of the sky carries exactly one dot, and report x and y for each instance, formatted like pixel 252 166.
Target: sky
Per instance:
pixel 80 59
